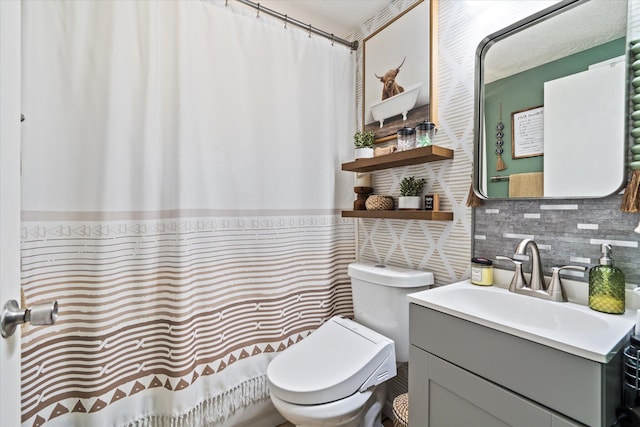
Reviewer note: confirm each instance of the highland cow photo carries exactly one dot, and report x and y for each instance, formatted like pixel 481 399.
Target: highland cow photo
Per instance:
pixel 396 72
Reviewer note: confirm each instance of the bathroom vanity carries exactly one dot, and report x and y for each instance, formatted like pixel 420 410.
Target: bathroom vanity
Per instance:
pixel 487 357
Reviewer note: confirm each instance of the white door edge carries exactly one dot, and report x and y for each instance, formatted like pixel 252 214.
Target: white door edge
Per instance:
pixel 10 94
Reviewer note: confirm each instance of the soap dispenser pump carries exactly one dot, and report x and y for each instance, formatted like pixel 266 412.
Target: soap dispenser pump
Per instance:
pixel 606 285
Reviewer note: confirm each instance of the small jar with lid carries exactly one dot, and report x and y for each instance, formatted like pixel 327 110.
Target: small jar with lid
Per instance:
pixel 425 132
pixel 481 271
pixel 406 139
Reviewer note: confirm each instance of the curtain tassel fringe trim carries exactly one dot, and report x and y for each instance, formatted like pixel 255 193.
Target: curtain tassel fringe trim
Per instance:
pixel 214 409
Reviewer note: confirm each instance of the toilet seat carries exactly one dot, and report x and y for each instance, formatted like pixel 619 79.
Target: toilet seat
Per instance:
pixel 339 359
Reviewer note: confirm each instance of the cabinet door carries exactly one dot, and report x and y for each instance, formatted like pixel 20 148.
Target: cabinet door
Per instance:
pixel 444 395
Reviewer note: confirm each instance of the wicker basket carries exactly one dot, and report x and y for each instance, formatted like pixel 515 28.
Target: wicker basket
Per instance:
pixel 377 202
pixel 401 411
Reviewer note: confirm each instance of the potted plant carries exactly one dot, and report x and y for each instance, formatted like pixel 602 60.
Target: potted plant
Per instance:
pixel 363 142
pixel 411 193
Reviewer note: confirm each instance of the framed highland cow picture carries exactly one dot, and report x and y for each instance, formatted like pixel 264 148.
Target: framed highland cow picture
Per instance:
pixel 395 73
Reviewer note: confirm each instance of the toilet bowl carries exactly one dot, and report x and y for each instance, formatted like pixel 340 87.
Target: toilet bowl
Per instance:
pixel 335 376
pixel 359 409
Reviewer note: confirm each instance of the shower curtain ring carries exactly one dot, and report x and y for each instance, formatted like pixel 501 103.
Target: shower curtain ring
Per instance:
pixel 333 39
pixel 309 30
pixel 285 21
pixel 258 14
pixel 226 3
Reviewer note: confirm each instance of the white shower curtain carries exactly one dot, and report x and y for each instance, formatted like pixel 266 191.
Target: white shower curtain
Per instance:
pixel 181 194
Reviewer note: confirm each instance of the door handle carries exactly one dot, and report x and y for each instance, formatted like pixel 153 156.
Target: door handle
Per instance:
pixel 12 316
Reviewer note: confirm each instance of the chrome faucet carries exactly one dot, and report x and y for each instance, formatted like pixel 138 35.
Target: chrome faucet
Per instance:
pixel 538 287
pixel 536 282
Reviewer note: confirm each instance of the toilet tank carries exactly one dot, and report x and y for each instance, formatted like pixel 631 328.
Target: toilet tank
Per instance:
pixel 380 303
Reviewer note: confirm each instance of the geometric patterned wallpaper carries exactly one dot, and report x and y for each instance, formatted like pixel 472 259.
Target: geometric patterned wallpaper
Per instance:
pixel 442 247
pixel 568 231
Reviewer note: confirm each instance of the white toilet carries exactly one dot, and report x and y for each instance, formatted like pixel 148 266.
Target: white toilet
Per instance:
pixel 335 376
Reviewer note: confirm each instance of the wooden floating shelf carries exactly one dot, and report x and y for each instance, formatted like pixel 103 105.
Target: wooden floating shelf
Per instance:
pixel 408 214
pixel 414 156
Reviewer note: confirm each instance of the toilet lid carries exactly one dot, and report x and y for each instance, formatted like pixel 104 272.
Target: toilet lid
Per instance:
pixel 330 364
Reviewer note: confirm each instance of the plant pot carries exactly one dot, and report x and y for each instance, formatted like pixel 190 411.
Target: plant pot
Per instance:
pixel 409 202
pixel 364 153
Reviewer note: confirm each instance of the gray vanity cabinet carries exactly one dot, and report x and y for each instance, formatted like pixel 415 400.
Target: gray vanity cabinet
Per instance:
pixel 465 374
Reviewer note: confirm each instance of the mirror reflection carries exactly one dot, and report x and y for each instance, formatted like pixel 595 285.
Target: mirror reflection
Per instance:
pixel 550 100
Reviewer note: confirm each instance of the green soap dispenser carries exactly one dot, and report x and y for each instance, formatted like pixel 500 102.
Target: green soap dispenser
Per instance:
pixel 606 285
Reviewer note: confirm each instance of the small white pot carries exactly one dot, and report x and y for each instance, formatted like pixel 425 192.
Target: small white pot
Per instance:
pixel 409 202
pixel 364 153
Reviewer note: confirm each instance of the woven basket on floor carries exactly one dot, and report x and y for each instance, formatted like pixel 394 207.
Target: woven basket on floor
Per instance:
pixel 377 202
pixel 401 411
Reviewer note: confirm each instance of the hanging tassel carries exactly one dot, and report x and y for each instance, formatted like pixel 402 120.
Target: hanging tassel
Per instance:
pixel 500 166
pixel 473 201
pixel 631 197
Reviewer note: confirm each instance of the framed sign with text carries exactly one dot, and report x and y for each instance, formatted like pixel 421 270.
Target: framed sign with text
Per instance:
pixel 527 128
pixel 432 202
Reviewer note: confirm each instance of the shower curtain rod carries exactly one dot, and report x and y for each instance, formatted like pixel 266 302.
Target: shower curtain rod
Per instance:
pixel 287 20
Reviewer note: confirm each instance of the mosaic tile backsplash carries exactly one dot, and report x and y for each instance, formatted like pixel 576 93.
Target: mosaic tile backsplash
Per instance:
pixel 568 232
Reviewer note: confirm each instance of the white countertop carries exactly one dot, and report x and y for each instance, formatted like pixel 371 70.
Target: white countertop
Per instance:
pixel 569 327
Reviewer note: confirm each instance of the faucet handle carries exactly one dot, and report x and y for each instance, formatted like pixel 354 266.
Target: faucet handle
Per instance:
pixel 555 290
pixel 517 281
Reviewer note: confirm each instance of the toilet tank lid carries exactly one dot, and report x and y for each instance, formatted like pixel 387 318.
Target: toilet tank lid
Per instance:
pixel 389 275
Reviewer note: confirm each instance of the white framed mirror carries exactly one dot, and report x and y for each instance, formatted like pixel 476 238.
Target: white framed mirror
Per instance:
pixel 551 104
